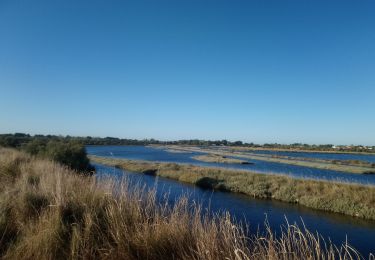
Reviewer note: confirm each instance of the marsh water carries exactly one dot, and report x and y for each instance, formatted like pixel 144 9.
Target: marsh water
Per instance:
pixel 335 227
pixel 162 155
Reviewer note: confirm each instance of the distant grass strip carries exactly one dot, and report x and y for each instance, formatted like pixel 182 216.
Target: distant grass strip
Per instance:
pixel 325 165
pixel 176 151
pixel 300 150
pixel 219 159
pixel 348 199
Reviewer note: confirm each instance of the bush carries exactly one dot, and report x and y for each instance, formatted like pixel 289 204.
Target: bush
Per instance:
pixel 66 151
pixel 71 154
pixel 35 147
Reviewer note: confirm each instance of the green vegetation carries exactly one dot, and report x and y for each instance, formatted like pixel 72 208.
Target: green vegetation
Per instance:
pixel 349 199
pixel 48 213
pixel 218 159
pixel 71 153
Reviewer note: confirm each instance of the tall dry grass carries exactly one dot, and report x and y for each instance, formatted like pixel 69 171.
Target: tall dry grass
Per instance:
pixel 49 212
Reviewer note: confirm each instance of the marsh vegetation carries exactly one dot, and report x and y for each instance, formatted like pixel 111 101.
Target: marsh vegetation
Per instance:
pixel 47 211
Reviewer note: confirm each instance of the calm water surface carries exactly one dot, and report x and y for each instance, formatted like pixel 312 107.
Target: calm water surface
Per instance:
pixel 360 233
pixel 161 155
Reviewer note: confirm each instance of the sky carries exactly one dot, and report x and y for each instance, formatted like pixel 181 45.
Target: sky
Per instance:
pixel 256 71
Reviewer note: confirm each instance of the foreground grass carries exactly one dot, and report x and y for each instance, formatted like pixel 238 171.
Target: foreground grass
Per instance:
pixel 335 165
pixel 348 199
pixel 50 212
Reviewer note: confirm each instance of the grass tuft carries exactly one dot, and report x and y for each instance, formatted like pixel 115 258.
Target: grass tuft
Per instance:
pixel 34 203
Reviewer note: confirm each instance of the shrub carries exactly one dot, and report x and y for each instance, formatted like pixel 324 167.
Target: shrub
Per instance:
pixel 35 147
pixel 71 154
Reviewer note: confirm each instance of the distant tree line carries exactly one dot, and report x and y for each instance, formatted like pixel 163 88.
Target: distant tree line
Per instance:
pixel 21 140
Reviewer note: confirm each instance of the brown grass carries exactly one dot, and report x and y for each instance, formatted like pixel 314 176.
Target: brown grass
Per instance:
pixel 49 212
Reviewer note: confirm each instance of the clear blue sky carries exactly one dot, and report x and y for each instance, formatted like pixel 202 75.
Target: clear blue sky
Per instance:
pixel 257 71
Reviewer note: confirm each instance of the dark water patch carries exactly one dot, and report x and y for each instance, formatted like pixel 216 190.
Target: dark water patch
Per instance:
pixel 151 172
pixel 211 184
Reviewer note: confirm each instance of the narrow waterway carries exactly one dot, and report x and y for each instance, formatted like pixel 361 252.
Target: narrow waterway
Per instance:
pixel 360 233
